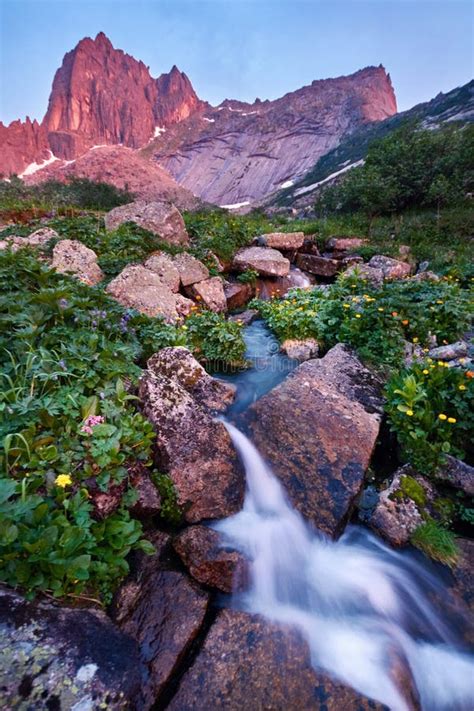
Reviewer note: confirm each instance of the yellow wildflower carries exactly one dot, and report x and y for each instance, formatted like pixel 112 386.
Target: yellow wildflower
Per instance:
pixel 409 413
pixel 380 308
pixel 452 420
pixel 442 417
pixel 358 316
pixel 416 339
pixel 425 372
pixel 462 387
pixel 63 480
pixel 347 306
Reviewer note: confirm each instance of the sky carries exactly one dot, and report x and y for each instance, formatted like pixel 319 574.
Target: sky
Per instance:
pixel 241 49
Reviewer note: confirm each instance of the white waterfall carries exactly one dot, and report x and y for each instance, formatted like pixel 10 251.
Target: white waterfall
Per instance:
pixel 357 602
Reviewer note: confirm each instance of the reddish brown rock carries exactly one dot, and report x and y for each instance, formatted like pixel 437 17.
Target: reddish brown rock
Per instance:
pixel 320 266
pixel 282 240
pixel 161 218
pixel 72 257
pixel 247 662
pixel 206 559
pixel 194 449
pixel 190 269
pixel 22 144
pixel 163 611
pixel 237 294
pixel 265 261
pixel 245 317
pixel 163 265
pixel 148 502
pixel 457 474
pixel 317 430
pixel 396 516
pixel 179 364
pixel 391 268
pixel 210 294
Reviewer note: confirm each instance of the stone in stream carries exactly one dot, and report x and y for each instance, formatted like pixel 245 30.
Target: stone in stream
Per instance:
pixel 249 663
pixel 163 611
pixel 202 551
pixel 264 260
pixel 61 658
pixel 300 349
pixel 317 430
pixel 193 448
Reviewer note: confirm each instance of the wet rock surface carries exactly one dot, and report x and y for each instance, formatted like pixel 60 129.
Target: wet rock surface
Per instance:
pixel 449 352
pixel 72 257
pixel 163 611
pixel 396 515
pixel 317 430
pixel 203 553
pixel 179 364
pixel 161 218
pixel 246 662
pixel 60 658
pixel 457 474
pixel 194 449
pixel 265 261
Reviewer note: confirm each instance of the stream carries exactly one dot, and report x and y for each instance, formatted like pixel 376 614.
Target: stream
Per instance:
pixel 359 604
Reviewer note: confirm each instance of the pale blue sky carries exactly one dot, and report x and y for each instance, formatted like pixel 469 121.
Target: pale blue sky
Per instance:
pixel 241 48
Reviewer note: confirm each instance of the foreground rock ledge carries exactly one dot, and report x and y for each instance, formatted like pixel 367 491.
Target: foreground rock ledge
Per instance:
pixel 59 658
pixel 248 663
pixel 318 429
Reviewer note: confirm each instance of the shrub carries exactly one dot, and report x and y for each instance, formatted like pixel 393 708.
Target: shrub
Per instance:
pixel 215 340
pixel 430 408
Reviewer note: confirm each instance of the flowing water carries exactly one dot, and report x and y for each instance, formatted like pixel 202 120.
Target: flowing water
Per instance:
pixel 358 603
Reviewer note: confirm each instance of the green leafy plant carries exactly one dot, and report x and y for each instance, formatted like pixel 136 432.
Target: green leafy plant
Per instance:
pixel 249 276
pixel 216 340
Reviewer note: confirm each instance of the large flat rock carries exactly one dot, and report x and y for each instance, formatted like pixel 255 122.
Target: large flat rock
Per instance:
pixel 317 430
pixel 161 218
pixel 248 663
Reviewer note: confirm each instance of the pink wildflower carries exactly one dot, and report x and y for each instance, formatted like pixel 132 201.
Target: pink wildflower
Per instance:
pixel 91 422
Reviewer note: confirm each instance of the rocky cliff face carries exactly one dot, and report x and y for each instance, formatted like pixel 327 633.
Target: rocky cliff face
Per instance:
pixel 238 152
pixel 234 153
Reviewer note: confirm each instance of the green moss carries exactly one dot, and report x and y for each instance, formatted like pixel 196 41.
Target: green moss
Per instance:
pixel 411 488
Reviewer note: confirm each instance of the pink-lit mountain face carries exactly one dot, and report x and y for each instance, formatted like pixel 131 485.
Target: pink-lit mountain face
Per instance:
pixel 236 152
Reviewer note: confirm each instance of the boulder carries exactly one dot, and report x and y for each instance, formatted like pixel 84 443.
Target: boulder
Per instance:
pixel 39 238
pixel 237 295
pixel 247 662
pixel 194 449
pixel 163 611
pixel 190 269
pixel 449 352
pixel 184 306
pixel 160 218
pixel 202 552
pixel 163 265
pixel 264 260
pixel 346 244
pixel 148 501
pixel 320 266
pixel 391 268
pixel 310 246
pixel 60 658
pixel 179 364
pixel 374 276
pixel 457 474
pixel 72 257
pixel 426 276
pixel 139 288
pixel 210 293
pixel 317 429
pixel 300 350
pixel 282 240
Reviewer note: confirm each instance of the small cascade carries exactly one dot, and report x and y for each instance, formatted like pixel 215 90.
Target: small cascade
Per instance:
pixel 358 603
pixel 268 288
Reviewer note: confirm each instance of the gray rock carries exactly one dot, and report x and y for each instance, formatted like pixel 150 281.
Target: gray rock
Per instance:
pixel 346 244
pixel 60 658
pixel 320 266
pixel 161 218
pixel 391 268
pixel 449 352
pixel 457 474
pixel 142 289
pixel 72 257
pixel 245 317
pixel 179 364
pixel 163 265
pixel 300 350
